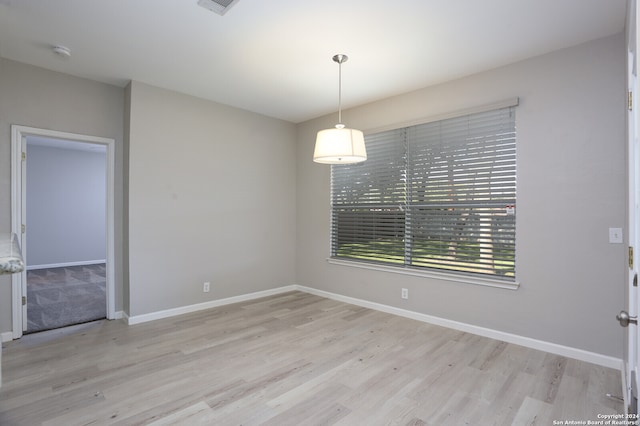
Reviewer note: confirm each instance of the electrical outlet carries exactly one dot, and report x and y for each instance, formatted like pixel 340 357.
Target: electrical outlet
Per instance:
pixel 205 287
pixel 405 293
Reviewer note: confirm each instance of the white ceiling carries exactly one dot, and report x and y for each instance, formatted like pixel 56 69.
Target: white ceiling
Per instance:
pixel 274 57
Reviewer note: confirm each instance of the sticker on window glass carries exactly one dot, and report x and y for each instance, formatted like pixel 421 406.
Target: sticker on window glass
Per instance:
pixel 511 210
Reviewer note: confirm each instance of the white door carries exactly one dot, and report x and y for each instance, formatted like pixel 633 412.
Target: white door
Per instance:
pixel 19 281
pixel 23 236
pixel 628 317
pixel 631 293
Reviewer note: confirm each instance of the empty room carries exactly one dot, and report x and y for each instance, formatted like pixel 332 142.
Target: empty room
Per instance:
pixel 421 212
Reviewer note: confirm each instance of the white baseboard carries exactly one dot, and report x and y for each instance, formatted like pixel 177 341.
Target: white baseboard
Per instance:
pixel 7 336
pixel 554 348
pixel 65 264
pixel 137 319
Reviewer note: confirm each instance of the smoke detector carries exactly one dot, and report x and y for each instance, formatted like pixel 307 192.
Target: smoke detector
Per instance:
pixel 62 51
pixel 218 6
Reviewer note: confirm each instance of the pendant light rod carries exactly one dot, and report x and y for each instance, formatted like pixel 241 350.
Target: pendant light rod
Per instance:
pixel 340 58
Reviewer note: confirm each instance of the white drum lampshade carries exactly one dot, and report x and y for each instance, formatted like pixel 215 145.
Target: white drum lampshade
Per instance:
pixel 339 146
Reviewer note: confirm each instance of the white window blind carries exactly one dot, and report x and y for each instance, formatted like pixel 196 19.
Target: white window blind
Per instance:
pixel 439 195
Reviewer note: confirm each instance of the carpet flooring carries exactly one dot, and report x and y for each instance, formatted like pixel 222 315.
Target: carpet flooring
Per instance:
pixel 59 297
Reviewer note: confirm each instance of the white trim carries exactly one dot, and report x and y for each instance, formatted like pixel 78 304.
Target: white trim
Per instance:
pixel 447 276
pixel 65 264
pixel 111 228
pixel 16 228
pixel 18 135
pixel 137 319
pixel 7 336
pixel 554 348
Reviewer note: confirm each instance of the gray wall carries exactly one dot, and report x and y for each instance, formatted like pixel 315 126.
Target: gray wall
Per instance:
pixel 66 205
pixel 571 189
pixel 211 198
pixel 35 97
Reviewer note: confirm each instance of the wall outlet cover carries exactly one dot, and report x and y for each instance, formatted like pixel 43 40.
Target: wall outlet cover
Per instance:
pixel 615 235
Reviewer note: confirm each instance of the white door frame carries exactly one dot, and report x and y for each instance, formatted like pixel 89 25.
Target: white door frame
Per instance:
pixel 18 213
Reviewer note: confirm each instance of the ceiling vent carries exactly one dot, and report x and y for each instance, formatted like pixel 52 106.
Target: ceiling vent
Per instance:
pixel 218 6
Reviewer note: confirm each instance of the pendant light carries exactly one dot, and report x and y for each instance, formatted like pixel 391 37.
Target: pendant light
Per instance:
pixel 339 145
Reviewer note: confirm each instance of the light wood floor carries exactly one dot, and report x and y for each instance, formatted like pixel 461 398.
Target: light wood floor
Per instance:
pixel 292 359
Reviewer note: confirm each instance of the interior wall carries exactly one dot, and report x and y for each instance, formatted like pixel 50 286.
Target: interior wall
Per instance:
pixel 571 188
pixel 211 199
pixel 66 206
pixel 36 97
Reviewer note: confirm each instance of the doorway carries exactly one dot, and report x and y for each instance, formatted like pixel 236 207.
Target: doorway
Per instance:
pixel 60 257
pixel 65 232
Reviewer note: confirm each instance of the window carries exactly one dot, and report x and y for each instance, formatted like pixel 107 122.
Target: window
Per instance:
pixel 435 196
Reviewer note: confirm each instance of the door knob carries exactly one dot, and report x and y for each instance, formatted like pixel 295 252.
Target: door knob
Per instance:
pixel 624 319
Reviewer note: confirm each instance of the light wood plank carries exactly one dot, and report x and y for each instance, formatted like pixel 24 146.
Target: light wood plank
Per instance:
pixel 291 359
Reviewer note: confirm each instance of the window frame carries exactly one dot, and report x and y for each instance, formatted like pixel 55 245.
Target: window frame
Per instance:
pixel 439 274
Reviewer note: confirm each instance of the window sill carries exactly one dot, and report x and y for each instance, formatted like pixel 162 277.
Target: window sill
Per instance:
pixel 447 276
